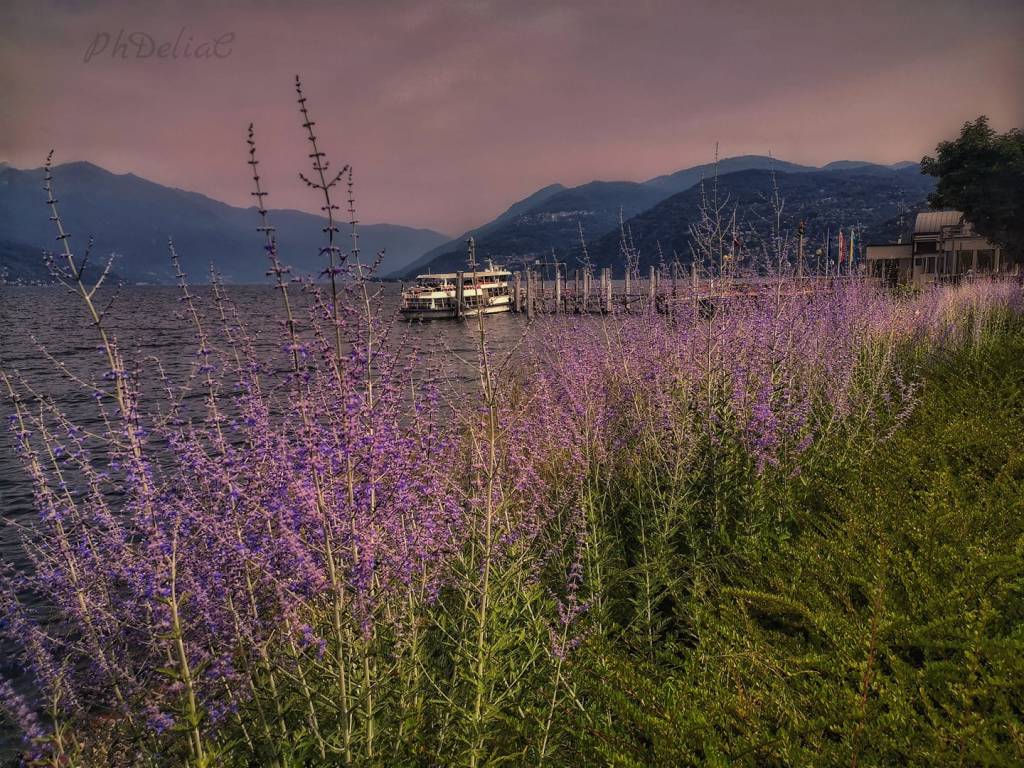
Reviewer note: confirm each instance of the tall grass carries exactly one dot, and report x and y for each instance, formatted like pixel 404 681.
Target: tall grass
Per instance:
pixel 866 612
pixel 328 563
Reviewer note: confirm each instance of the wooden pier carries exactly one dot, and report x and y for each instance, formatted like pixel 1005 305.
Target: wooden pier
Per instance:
pixel 660 290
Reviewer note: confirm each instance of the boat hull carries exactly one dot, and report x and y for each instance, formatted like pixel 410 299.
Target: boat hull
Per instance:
pixel 451 314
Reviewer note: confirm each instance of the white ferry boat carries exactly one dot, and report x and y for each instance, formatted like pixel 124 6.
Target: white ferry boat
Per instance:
pixel 458 294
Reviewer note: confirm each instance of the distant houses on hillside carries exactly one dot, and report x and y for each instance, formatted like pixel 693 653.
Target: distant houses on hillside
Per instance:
pixel 944 247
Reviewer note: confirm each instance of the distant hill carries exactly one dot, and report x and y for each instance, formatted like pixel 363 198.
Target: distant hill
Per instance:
pixel 459 243
pixel 686 178
pixel 865 167
pixel 552 217
pixel 867 197
pixel 22 264
pixel 554 222
pixel 133 217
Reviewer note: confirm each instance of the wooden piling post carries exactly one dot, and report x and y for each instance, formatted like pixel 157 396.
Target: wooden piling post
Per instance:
pixel 517 299
pixel 625 289
pixel 586 290
pixel 606 278
pixel 675 287
pixel 652 287
pixel 459 294
pixel 558 290
pixel 529 293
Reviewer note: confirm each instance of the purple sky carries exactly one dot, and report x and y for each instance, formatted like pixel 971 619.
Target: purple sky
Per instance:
pixel 451 110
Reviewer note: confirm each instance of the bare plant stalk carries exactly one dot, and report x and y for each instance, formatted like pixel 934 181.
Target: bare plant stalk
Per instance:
pixel 337 584
pixel 487 387
pixel 335 256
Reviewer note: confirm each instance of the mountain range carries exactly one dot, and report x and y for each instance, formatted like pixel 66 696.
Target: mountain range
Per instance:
pixel 22 263
pixel 867 198
pixel 133 217
pixel 552 226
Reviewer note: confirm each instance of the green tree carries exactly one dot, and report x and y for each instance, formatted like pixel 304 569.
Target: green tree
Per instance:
pixel 981 173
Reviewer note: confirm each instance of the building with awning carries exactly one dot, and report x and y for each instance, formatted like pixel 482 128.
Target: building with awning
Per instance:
pixel 943 247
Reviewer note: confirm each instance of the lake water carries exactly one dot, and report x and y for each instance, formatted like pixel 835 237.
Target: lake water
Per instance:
pixel 147 324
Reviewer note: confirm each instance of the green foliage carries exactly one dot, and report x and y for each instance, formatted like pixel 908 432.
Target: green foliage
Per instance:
pixel 869 612
pixel 981 173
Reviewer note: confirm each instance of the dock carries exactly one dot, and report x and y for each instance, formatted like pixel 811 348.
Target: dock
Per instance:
pixel 660 290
